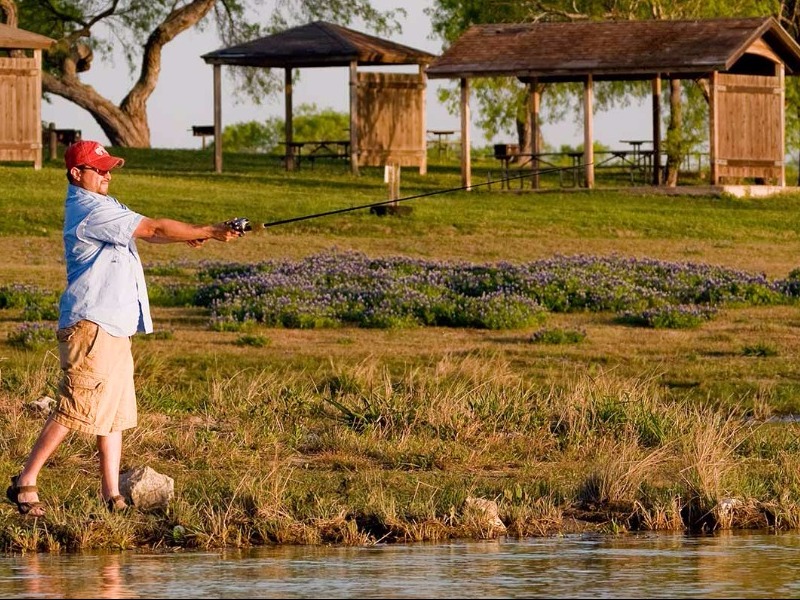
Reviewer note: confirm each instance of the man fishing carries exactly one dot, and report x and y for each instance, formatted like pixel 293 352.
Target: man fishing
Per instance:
pixel 104 304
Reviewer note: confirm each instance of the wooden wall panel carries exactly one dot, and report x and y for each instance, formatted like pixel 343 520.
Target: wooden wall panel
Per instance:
pixel 391 119
pixel 20 106
pixel 750 121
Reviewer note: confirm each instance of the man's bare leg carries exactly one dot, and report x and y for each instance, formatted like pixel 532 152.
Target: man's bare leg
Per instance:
pixel 110 447
pixel 48 441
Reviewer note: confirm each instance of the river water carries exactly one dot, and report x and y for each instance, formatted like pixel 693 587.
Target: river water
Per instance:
pixel 727 565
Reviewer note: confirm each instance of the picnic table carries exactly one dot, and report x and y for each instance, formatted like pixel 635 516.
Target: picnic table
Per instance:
pixel 633 163
pixel 203 131
pixel 310 150
pixel 544 161
pixel 640 157
pixel 441 141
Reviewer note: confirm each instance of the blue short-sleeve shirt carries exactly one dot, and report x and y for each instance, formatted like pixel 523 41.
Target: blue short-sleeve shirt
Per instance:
pixel 105 279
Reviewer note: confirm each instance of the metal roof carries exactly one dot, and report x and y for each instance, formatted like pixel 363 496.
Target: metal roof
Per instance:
pixel 611 49
pixel 317 44
pixel 19 39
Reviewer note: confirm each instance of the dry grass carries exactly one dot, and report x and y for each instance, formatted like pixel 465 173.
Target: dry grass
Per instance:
pixel 354 436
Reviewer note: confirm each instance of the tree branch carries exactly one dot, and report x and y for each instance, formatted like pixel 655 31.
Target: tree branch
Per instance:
pixel 72 89
pixel 177 21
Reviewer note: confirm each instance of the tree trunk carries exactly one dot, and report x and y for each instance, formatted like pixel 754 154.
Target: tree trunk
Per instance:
pixel 123 128
pixel 674 133
pixel 126 124
pixel 524 135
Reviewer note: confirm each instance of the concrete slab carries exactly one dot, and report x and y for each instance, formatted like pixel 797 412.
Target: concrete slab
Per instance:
pixel 739 191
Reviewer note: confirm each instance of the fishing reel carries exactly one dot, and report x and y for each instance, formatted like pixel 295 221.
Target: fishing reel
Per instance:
pixel 240 225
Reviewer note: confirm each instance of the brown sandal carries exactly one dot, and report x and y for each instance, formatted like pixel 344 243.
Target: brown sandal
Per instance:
pixel 117 504
pixel 34 509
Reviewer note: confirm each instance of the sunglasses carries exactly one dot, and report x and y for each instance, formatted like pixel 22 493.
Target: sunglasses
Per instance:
pixel 100 172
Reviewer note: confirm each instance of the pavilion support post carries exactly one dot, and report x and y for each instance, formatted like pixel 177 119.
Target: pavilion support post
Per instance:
pixel 288 119
pixel 657 129
pixel 713 123
pixel 218 118
pixel 535 101
pixel 37 161
pixel 354 117
pixel 782 82
pixel 588 131
pixel 423 79
pixel 466 158
pixel 52 142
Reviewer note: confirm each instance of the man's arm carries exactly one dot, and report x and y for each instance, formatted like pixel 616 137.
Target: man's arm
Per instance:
pixel 166 231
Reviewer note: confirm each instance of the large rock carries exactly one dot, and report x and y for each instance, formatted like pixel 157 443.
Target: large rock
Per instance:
pixel 146 489
pixel 485 513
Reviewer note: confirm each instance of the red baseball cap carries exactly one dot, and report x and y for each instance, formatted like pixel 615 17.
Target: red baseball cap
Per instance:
pixel 87 152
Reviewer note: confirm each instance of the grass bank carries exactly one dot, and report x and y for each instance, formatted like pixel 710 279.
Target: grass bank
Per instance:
pixel 357 435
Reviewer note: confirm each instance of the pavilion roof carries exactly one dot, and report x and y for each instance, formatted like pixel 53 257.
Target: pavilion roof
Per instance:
pixel 20 39
pixel 318 44
pixel 611 49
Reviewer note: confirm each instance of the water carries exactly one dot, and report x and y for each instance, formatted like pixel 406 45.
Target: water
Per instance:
pixel 741 565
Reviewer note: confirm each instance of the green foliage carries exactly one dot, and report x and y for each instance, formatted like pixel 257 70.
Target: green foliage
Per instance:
pixel 37 304
pixel 31 336
pixel 255 340
pixel 251 136
pixel 22 296
pixel 760 350
pixel 557 336
pixel 313 123
pixel 309 123
pixel 171 294
pixel 670 317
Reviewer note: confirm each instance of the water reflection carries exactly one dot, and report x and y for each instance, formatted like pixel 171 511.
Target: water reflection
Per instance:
pixel 742 565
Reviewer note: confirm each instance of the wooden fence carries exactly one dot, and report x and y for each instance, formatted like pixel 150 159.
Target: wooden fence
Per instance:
pixel 391 120
pixel 750 126
pixel 20 109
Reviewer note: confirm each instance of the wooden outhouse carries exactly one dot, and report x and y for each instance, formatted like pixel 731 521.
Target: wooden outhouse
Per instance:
pixel 742 60
pixel 21 94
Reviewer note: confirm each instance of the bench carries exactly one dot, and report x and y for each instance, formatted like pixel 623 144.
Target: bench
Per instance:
pixel 52 137
pixel 203 131
pixel 333 155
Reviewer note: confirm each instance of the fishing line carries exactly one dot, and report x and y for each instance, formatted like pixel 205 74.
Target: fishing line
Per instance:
pixel 529 173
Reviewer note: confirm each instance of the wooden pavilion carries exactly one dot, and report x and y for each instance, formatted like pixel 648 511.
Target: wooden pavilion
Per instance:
pixel 744 61
pixel 322 44
pixel 21 94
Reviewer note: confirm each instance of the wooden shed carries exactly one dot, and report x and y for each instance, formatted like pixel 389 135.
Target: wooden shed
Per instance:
pixel 744 61
pixel 372 137
pixel 21 94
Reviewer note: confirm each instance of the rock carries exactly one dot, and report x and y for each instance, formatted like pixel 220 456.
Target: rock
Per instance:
pixel 725 511
pixel 485 511
pixel 146 489
pixel 44 405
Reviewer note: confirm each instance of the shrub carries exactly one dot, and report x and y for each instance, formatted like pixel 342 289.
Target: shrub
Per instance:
pixel 670 317
pixel 257 341
pixel 760 349
pixel 32 335
pixel 557 336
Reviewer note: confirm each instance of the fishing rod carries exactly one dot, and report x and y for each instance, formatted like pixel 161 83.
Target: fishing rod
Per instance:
pixel 242 224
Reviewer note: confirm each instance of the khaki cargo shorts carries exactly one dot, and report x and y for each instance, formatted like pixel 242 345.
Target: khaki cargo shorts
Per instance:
pixel 96 393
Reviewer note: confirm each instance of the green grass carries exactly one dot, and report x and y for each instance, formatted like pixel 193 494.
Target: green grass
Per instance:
pixel 355 435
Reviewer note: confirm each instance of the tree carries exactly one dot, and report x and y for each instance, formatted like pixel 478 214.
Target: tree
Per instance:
pixel 789 16
pixel 85 28
pixel 308 123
